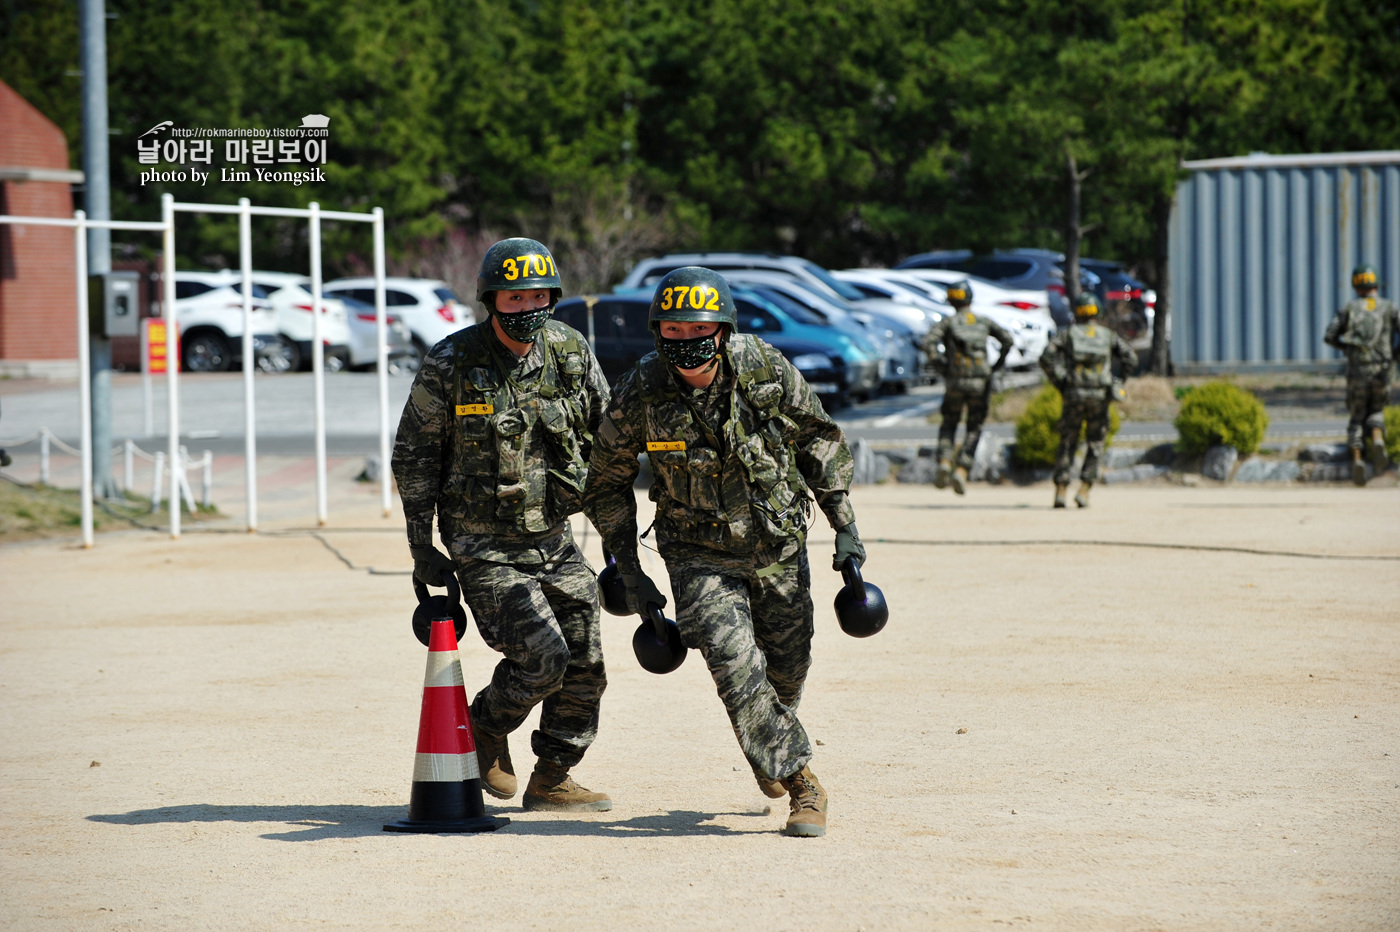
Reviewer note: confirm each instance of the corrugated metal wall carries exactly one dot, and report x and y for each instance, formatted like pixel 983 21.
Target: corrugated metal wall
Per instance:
pixel 1262 249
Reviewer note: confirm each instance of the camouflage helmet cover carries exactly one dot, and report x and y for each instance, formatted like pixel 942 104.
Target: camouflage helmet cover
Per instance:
pixel 517 263
pixel 1086 304
pixel 960 293
pixel 1364 277
pixel 693 294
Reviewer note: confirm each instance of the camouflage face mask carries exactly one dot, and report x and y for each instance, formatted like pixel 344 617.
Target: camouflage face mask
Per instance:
pixel 689 354
pixel 523 325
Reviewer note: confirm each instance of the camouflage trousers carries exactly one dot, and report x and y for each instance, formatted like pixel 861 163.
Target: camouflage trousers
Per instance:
pixel 1367 393
pixel 953 403
pixel 1093 414
pixel 755 633
pixel 544 618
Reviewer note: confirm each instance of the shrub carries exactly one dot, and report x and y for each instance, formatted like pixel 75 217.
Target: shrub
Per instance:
pixel 1392 433
pixel 1220 413
pixel 1037 429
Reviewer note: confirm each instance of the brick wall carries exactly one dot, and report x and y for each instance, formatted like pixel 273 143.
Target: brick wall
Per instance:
pixel 38 296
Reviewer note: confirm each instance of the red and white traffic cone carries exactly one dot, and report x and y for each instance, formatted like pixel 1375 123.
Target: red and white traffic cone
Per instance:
pixel 446 795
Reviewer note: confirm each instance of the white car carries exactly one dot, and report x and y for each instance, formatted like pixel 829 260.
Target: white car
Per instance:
pixel 983 291
pixel 404 358
pixel 290 295
pixel 427 306
pixel 209 312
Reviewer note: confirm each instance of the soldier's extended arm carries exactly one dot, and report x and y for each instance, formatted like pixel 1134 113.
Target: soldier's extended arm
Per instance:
pixel 596 388
pixel 1002 336
pixel 608 500
pixel 823 457
pixel 1126 357
pixel 930 344
pixel 1052 361
pixel 1335 329
pixel 418 448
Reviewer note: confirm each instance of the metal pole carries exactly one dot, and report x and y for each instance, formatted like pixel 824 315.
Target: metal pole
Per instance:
pixel 84 377
pixel 382 361
pixel 98 240
pixel 250 430
pixel 318 375
pixel 172 359
pixel 128 464
pixel 157 468
pixel 44 456
pixel 146 401
pixel 207 475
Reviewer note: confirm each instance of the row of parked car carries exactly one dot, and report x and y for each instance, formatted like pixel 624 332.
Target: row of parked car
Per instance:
pixel 209 308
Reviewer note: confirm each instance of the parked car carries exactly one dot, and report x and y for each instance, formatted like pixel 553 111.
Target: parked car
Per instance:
pixel 897 343
pixel 209 311
pixel 621 337
pixel 989 292
pixel 404 358
pixel 290 295
pixel 428 307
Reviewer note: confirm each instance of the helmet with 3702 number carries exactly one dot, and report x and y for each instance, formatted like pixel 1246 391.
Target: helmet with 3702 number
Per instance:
pixel 960 293
pixel 518 263
pixel 1364 277
pixel 1086 305
pixel 693 294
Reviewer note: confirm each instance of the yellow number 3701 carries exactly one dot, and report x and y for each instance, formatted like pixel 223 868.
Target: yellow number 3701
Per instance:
pixel 532 264
pixel 699 297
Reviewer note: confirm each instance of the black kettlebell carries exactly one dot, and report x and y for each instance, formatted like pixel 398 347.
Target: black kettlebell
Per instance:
pixel 612 592
pixel 657 642
pixel 438 607
pixel 860 606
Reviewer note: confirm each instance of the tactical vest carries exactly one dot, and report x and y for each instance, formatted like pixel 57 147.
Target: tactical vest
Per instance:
pixel 731 486
pixel 966 350
pixel 1092 374
pixel 516 460
pixel 1366 338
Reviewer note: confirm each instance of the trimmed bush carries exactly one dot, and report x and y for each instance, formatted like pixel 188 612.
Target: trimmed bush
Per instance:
pixel 1037 429
pixel 1392 433
pixel 1220 413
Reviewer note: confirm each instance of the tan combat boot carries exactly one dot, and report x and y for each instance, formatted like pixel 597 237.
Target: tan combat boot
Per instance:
pixel 773 789
pixel 1378 457
pixel 493 760
pixel 1081 498
pixel 1060 489
pixel 940 478
pixel 807 808
pixel 960 480
pixel 551 789
pixel 1358 468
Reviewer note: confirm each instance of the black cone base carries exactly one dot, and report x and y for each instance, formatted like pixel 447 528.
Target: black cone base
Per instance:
pixel 442 808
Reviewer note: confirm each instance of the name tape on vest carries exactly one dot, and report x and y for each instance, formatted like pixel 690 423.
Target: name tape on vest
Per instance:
pixel 475 409
pixel 660 446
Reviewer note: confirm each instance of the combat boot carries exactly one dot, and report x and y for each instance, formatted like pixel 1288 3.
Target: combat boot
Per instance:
pixel 1081 498
pixel 1378 457
pixel 940 478
pixel 1358 468
pixel 960 480
pixel 1060 489
pixel 493 760
pixel 807 808
pixel 551 789
pixel 773 789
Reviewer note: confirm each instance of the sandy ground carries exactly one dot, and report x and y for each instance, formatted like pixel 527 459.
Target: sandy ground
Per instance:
pixel 209 733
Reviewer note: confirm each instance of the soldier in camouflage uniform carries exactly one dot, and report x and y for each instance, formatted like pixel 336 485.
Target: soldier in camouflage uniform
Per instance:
pixel 495 440
pixel 735 438
pixel 1366 330
pixel 1079 362
pixel 957 348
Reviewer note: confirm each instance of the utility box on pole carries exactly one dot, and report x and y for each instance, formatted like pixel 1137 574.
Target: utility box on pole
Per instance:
pixel 113 308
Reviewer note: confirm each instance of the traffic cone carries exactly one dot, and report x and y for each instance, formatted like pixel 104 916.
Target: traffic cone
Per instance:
pixel 446 795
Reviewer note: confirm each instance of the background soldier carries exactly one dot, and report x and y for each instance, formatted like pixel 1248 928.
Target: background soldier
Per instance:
pixel 962 360
pixel 1079 363
pixel 735 439
pixel 1366 330
pixel 495 438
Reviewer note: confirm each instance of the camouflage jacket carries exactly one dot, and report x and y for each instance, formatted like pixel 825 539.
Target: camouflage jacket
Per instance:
pixel 498 444
pixel 1365 330
pixel 962 359
pixel 732 463
pixel 1079 360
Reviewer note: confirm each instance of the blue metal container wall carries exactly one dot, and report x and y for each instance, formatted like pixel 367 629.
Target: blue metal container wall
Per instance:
pixel 1262 249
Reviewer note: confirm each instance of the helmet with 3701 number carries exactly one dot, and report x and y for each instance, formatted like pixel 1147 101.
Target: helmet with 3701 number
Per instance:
pixel 1086 305
pixel 693 294
pixel 1364 277
pixel 960 293
pixel 518 263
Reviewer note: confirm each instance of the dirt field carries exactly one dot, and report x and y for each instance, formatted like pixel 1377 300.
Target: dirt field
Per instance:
pixel 209 733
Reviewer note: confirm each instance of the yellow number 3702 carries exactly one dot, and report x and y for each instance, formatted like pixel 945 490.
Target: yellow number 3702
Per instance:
pixel 532 264
pixel 699 297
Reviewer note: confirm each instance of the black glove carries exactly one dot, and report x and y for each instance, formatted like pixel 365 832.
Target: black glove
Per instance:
pixel 429 565
pixel 847 545
pixel 640 591
pixel 1000 363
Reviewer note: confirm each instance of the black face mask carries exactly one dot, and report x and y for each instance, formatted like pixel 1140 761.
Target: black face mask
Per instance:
pixel 522 326
pixel 688 354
